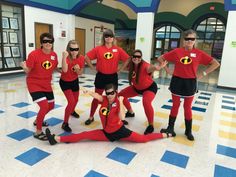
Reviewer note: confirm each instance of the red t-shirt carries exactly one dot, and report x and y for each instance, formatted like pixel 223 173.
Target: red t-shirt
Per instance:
pixel 70 75
pixel 186 62
pixel 107 59
pixel 42 66
pixel 110 119
pixel 145 78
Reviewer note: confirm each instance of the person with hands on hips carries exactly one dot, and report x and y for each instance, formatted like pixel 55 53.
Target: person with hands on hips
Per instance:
pixel 141 83
pixel 108 56
pixel 184 78
pixel 113 129
pixel 72 67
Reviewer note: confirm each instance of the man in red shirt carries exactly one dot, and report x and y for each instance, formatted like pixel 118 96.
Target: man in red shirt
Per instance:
pixel 111 113
pixel 108 56
pixel 184 79
pixel 39 68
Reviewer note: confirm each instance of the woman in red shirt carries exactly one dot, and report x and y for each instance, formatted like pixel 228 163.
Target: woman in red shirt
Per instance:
pixel 184 79
pixel 39 68
pixel 110 112
pixel 141 83
pixel 108 56
pixel 72 67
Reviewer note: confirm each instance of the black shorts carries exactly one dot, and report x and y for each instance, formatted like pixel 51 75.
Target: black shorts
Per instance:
pixel 152 88
pixel 39 95
pixel 182 86
pixel 71 85
pixel 103 79
pixel 123 132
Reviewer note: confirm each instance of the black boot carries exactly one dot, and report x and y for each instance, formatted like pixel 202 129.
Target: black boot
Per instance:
pixel 170 128
pixel 188 129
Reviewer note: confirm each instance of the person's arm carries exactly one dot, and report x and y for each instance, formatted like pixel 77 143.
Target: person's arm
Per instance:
pixel 64 65
pixel 122 108
pixel 161 59
pixel 78 70
pixel 211 67
pixel 153 68
pixel 24 67
pixel 124 65
pixel 93 94
pixel 88 61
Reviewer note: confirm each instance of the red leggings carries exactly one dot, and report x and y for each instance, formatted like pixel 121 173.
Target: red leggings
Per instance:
pixel 148 97
pixel 44 107
pixel 94 104
pixel 72 100
pixel 187 106
pixel 98 135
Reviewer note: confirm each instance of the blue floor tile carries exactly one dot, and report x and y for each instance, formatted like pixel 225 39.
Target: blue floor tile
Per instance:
pixel 132 100
pixel 57 106
pixel 204 93
pixel 120 84
pixel 1 111
pixel 170 101
pixel 125 81
pixel 54 121
pixel 194 108
pixel 121 155
pixel 154 175
pixel 175 159
pixel 203 98
pixel 27 114
pixel 93 173
pixel 88 86
pixel 89 79
pixel 227 151
pixel 32 156
pixel 201 103
pixel 21 104
pixel 81 82
pixel 221 171
pixel 228 107
pixel 228 97
pixel 21 134
pixel 229 102
pixel 166 107
pixel 65 133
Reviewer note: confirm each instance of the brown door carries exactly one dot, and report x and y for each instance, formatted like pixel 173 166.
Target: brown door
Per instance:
pixel 80 37
pixel 39 29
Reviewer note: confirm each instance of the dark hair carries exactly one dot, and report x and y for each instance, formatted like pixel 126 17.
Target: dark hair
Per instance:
pixel 188 32
pixel 105 33
pixel 131 67
pixel 47 35
pixel 68 47
pixel 111 86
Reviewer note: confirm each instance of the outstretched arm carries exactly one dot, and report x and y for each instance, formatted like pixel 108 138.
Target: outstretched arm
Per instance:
pixel 122 109
pixel 124 65
pixel 93 94
pixel 212 66
pixel 152 68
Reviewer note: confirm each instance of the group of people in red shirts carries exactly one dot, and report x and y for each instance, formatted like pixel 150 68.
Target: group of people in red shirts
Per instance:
pixel 42 62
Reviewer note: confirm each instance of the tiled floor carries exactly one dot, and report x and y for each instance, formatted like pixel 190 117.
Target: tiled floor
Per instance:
pixel 212 154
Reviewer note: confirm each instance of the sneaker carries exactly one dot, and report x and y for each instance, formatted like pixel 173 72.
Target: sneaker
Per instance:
pixel 128 114
pixel 89 121
pixel 51 138
pixel 65 126
pixel 75 114
pixel 149 129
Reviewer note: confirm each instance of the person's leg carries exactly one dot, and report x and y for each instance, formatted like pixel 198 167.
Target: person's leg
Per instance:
pixel 138 138
pixel 94 106
pixel 95 135
pixel 76 98
pixel 128 92
pixel 188 117
pixel 148 97
pixel 173 115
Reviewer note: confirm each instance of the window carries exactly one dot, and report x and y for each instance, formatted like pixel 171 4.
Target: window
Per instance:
pixel 166 38
pixel 211 32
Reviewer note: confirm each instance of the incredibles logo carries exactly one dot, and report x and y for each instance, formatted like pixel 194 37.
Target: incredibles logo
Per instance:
pixel 186 60
pixel 47 65
pixel 133 74
pixel 108 55
pixel 73 69
pixel 104 111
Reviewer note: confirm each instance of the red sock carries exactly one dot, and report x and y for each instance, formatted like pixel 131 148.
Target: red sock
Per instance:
pixel 175 107
pixel 138 138
pixel 71 103
pixel 188 107
pixel 148 97
pixel 43 110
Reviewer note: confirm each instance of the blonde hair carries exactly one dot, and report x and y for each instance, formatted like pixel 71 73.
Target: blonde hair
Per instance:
pixel 68 47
